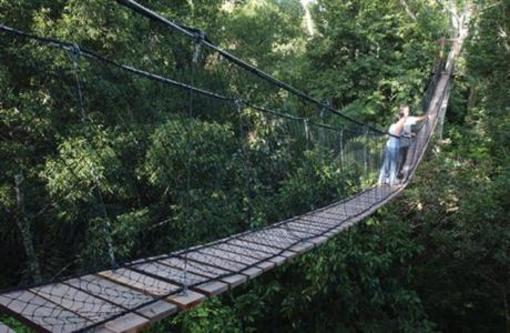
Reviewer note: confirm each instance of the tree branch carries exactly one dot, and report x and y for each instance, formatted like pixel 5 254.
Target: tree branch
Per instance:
pixel 408 10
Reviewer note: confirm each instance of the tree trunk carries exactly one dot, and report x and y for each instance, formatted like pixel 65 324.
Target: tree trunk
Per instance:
pixel 408 10
pixel 472 98
pixel 507 312
pixel 442 112
pixel 24 228
pixel 308 20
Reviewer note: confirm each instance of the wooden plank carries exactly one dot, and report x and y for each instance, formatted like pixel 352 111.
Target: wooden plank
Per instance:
pixel 294 247
pixel 212 288
pixel 294 229
pixel 194 267
pixel 279 260
pixel 338 229
pixel 144 260
pixel 207 259
pixel 313 223
pixel 261 248
pixel 235 280
pixel 275 237
pixel 253 272
pixel 302 247
pixel 78 302
pixel 305 229
pixel 282 232
pixel 167 273
pixel 188 299
pixel 268 240
pixel 278 256
pixel 266 265
pixel 322 221
pixel 118 294
pixel 154 287
pixel 199 268
pixel 356 206
pixel 283 236
pixel 41 313
pixel 245 251
pixel 346 208
pixel 5 329
pixel 231 256
pixel 141 282
pixel 284 252
pixel 331 214
pixel 124 297
pixel 319 240
pixel 310 226
pixel 157 311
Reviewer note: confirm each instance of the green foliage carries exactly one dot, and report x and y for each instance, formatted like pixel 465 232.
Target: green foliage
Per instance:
pixel 267 32
pixel 81 166
pixel 208 318
pixel 317 180
pixel 366 53
pixel 435 260
pixel 202 149
pixel 15 325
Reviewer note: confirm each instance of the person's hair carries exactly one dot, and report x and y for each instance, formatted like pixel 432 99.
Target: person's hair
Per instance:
pixel 403 106
pixel 401 109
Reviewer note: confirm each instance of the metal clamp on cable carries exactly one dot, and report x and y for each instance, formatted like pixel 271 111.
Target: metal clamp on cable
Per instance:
pixel 74 52
pixel 307 131
pixel 74 55
pixel 238 102
pixel 324 106
pixel 199 38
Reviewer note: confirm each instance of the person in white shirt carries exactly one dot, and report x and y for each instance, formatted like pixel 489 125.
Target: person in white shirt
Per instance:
pixel 405 139
pixel 388 172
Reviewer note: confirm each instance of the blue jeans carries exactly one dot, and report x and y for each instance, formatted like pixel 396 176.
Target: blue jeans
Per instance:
pixel 388 172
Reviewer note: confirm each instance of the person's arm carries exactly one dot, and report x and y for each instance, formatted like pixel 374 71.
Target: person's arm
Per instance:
pixel 400 125
pixel 414 120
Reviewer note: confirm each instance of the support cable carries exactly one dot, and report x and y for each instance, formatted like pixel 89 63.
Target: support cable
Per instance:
pixel 74 55
pixel 155 77
pixel 152 15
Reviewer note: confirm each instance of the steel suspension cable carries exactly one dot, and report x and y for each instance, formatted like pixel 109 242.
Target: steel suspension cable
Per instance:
pixel 196 33
pixel 68 46
pixel 74 54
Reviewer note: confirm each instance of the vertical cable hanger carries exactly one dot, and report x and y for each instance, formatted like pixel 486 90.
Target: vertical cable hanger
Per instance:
pixel 74 54
pixel 246 160
pixel 197 50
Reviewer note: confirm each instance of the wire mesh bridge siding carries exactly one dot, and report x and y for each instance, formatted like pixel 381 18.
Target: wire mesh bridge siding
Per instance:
pixel 129 296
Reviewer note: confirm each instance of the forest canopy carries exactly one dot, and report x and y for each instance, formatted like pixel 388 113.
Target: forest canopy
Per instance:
pixel 99 165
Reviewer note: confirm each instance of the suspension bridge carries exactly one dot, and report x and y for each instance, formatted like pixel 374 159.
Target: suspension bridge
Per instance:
pixel 129 296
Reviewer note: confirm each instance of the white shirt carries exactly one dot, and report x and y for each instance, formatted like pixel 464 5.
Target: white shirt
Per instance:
pixel 393 129
pixel 408 123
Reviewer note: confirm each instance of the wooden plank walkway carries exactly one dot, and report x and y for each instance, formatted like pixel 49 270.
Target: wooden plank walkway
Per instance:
pixel 207 270
pixel 130 298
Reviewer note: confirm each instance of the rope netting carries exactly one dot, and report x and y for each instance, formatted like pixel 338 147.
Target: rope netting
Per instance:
pixel 198 165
